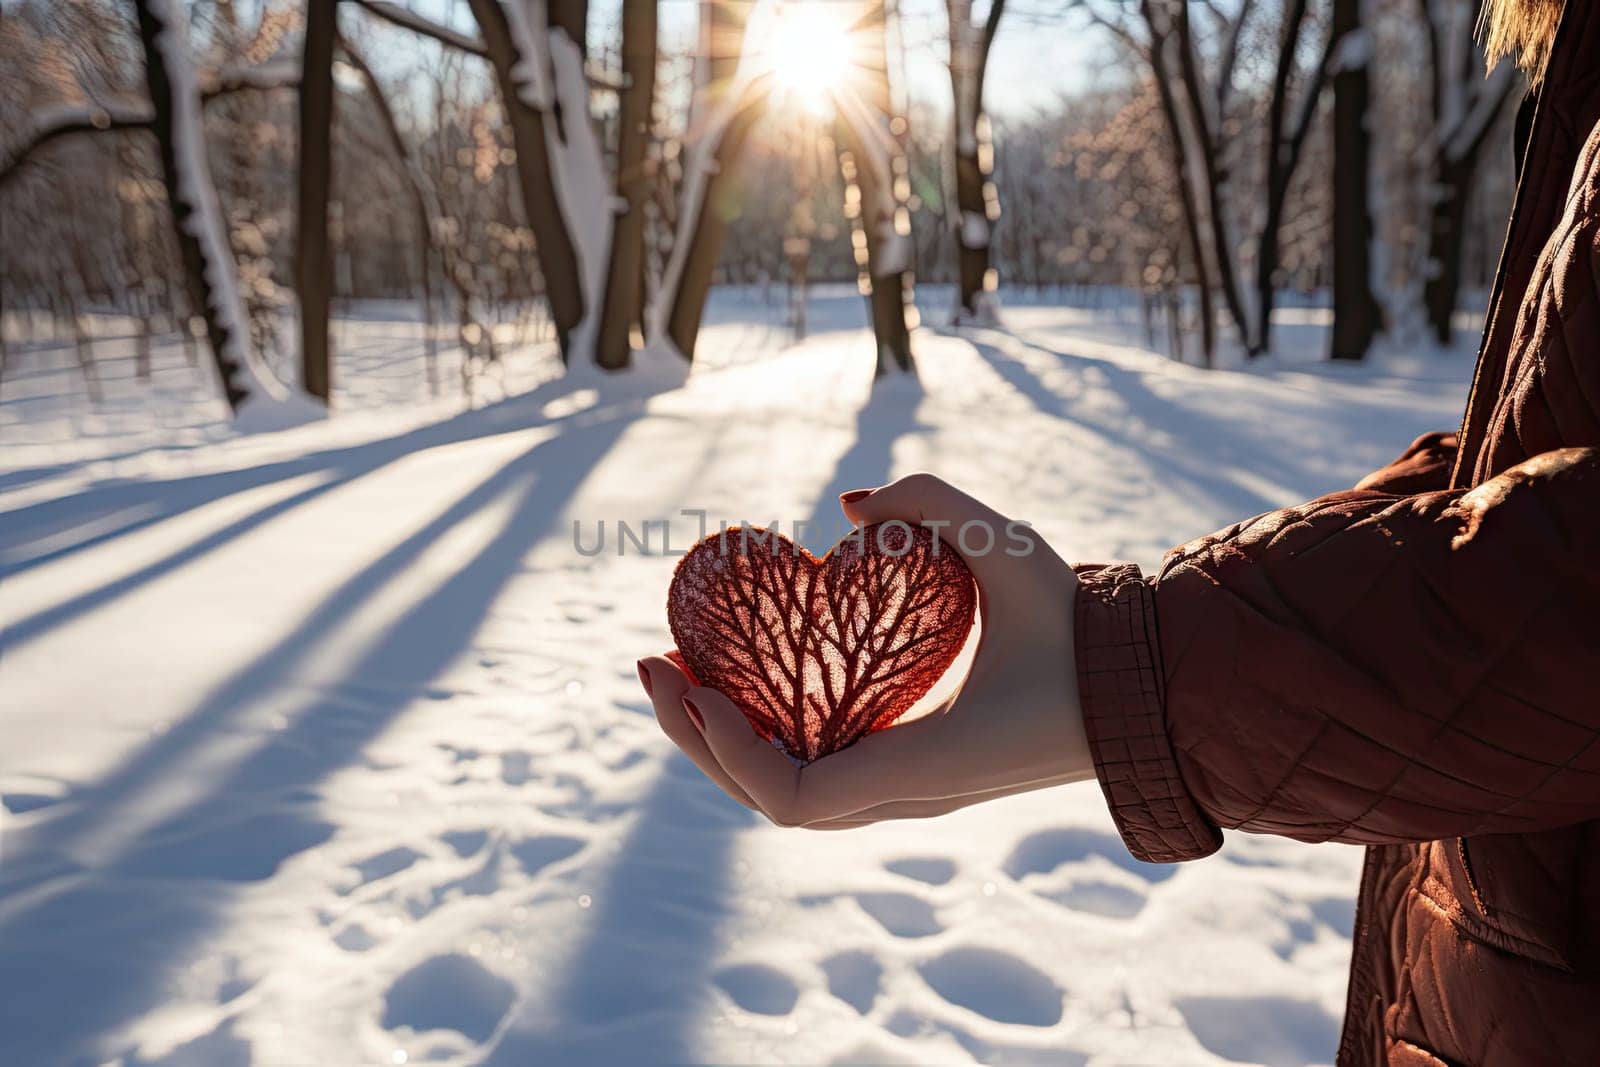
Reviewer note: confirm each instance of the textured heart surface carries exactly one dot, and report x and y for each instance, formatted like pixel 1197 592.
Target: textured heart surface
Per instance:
pixel 819 653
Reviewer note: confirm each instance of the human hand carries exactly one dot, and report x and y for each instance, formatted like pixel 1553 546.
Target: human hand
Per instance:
pixel 1015 725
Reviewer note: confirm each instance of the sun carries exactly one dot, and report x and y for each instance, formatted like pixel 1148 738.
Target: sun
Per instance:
pixel 809 48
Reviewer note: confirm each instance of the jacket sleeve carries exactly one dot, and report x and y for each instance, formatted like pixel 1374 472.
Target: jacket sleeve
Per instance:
pixel 1368 667
pixel 1423 467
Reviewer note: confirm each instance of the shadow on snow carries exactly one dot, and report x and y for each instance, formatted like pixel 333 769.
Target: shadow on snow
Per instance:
pixel 75 967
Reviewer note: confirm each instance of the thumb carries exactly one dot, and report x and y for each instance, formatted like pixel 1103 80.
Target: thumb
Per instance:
pixel 978 532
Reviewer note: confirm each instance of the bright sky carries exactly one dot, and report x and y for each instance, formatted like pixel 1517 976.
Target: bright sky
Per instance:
pixel 1039 54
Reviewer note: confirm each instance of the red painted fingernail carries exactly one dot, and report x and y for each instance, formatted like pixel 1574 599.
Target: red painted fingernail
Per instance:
pixel 644 679
pixel 694 713
pixel 855 494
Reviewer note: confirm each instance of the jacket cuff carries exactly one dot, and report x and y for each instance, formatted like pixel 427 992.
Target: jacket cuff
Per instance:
pixel 1122 695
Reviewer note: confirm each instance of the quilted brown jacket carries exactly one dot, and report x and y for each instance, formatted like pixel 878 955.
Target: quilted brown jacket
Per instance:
pixel 1412 664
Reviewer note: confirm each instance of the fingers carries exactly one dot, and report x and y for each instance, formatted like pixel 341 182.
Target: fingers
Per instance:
pixel 974 529
pixel 881 767
pixel 665 684
pixel 749 769
pixel 764 774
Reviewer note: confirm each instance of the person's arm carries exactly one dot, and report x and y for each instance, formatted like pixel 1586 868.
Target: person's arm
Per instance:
pixel 1422 468
pixel 1367 667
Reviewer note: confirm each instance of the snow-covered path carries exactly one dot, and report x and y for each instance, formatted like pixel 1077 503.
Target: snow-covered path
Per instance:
pixel 327 747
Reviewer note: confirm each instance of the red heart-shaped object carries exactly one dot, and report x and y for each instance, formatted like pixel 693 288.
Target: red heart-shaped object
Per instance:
pixel 819 653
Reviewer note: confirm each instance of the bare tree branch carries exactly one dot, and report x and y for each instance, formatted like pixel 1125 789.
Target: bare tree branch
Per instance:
pixel 1466 140
pixel 278 74
pixel 1119 31
pixel 1230 55
pixel 55 123
pixel 991 26
pixel 407 19
pixel 63 122
pixel 410 20
pixel 1317 81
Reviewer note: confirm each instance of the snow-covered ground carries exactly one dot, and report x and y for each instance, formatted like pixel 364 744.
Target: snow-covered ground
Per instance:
pixel 326 746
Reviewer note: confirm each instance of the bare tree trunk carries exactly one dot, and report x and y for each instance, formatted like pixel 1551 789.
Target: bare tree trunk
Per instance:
pixel 571 17
pixel 708 235
pixel 1211 172
pixel 798 252
pixel 1357 316
pixel 430 338
pixel 175 100
pixel 1174 302
pixel 879 258
pixel 141 351
pixel 558 258
pixel 1181 174
pixel 623 307
pixel 419 203
pixel 1465 107
pixel 1446 235
pixel 876 165
pixel 314 247
pixel 1282 157
pixel 82 343
pixel 705 226
pixel 136 267
pixel 977 201
pixel 1456 172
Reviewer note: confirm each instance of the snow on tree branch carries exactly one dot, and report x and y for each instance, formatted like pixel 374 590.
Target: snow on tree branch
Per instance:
pixel 530 36
pixel 52 123
pixel 578 161
pixel 57 122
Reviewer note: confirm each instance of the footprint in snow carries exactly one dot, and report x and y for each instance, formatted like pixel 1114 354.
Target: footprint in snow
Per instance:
pixel 901 914
pixel 757 988
pixel 1298 932
pixel 854 977
pixel 382 865
pixel 931 870
pixel 448 992
pixel 481 881
pixel 354 938
pixel 1085 871
pixel 994 984
pixel 1274 1031
pixel 465 842
pixel 1109 900
pixel 537 853
pixel 515 767
pixel 1336 914
pixel 1043 852
pixel 910 1025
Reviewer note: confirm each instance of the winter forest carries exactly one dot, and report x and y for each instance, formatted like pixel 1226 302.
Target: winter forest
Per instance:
pixel 585 176
pixel 334 334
